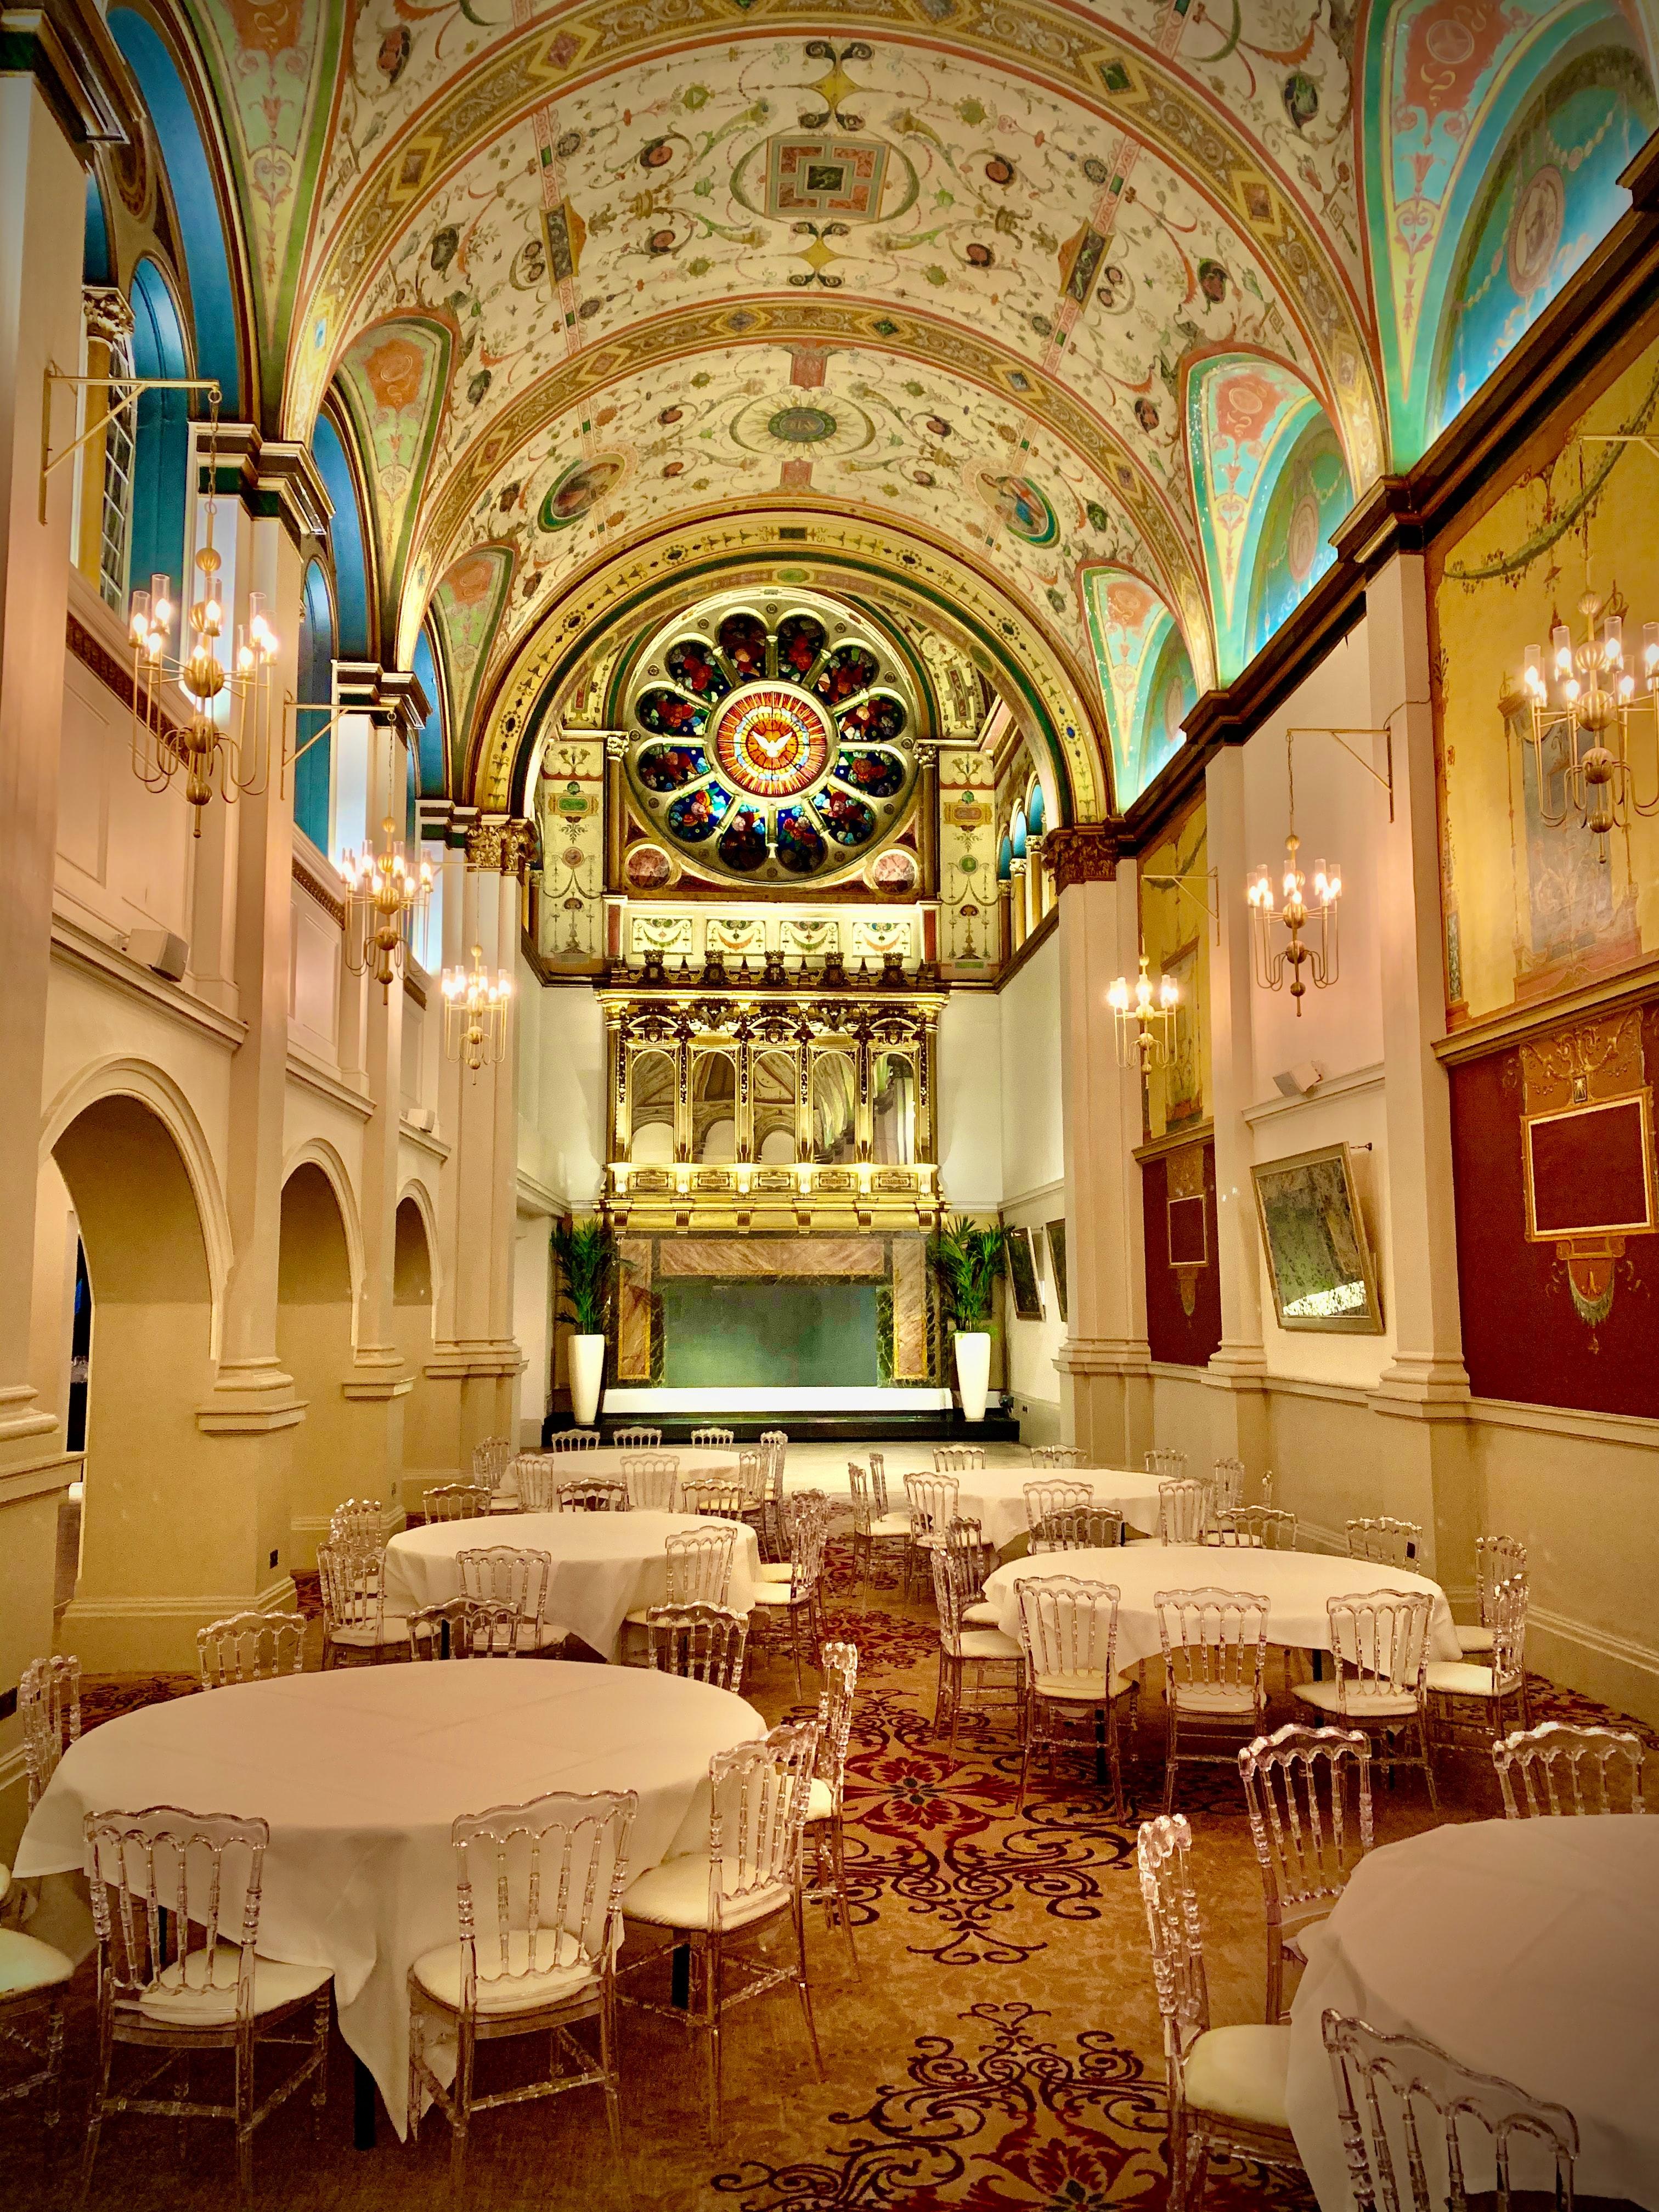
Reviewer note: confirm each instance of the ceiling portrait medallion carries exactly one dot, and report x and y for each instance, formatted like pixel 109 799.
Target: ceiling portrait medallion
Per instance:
pixel 773 740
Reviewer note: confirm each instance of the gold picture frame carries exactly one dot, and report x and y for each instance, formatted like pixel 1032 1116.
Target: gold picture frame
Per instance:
pixel 1319 1256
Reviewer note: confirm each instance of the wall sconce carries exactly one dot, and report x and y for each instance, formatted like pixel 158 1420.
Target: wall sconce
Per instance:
pixel 1310 942
pixel 1145 1015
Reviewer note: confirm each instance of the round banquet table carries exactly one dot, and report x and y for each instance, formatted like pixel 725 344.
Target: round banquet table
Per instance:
pixel 604 1565
pixel 1525 1948
pixel 1295 1583
pixel 721 1460
pixel 995 1496
pixel 360 1773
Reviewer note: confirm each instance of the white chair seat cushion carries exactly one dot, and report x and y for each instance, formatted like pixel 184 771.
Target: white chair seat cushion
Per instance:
pixel 981 1613
pixel 562 1969
pixel 393 1628
pixel 1361 1707
pixel 778 1593
pixel 1081 1689
pixel 25 1964
pixel 1240 2072
pixel 776 1571
pixel 191 2005
pixel 1461 1678
pixel 1475 1639
pixel 820 1800
pixel 984 1643
pixel 1219 1698
pixel 5 1883
pixel 891 1524
pixel 676 1895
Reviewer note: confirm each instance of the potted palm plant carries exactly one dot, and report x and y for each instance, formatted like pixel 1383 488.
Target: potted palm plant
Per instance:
pixel 967 1260
pixel 588 1269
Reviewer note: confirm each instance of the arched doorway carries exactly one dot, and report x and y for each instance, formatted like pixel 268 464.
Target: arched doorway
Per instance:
pixel 171 1538
pixel 426 1458
pixel 314 1343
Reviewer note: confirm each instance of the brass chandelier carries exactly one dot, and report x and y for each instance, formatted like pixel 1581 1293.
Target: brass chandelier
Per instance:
pixel 387 892
pixel 475 1012
pixel 1588 700
pixel 1145 1015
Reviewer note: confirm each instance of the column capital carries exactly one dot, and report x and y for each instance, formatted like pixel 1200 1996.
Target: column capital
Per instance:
pixel 66 46
pixel 510 843
pixel 1081 853
pixel 275 479
pixel 393 695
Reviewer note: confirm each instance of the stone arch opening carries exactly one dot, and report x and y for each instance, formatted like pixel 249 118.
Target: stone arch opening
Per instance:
pixel 413 1288
pixel 314 1344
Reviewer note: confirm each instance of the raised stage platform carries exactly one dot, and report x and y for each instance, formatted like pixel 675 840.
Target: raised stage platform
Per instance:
pixel 823 1415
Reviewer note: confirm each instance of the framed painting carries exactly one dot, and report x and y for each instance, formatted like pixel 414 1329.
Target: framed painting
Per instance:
pixel 1319 1259
pixel 1056 1233
pixel 1022 1276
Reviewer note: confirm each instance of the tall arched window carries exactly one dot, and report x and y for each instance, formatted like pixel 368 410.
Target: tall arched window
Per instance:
pixel 161 462
pixel 312 774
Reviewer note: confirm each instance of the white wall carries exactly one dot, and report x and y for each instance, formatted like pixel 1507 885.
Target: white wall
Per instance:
pixel 967 1099
pixel 561 1128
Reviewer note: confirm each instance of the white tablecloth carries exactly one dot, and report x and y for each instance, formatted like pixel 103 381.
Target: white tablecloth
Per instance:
pixel 1525 1948
pixel 360 1772
pixel 607 1459
pixel 604 1565
pixel 995 1496
pixel 1296 1583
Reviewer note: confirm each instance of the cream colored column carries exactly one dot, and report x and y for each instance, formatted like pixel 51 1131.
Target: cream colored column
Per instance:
pixel 1427 1467
pixel 474 1351
pixel 1237 1370
pixel 1104 1365
pixel 42 200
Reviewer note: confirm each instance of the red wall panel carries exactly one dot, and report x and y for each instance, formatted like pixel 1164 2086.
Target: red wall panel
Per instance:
pixel 1183 1338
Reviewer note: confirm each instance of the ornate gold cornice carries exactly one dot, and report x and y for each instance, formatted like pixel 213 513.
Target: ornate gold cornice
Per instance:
pixel 1081 853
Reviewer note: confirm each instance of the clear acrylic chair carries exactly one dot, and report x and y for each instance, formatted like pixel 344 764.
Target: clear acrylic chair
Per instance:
pixel 824 1848
pixel 591 1493
pixel 875 1536
pixel 1215 1674
pixel 538 1893
pixel 702 1643
pixel 1183 1512
pixel 465 1628
pixel 355 1622
pixel 706 1437
pixel 1055 1493
pixel 49 1708
pixel 175 1902
pixel 636 1438
pixel 1308 1792
pixel 1403 2101
pixel 1078 1528
pixel 698 1571
pixel 574 1440
pixel 1385 1542
pixel 1227 1485
pixel 776 1443
pixel 963 1649
pixel 973 1560
pixel 957 1459
pixel 246 1647
pixel 535 1477
pixel 1498 1560
pixel 933 1501
pixel 1478 1693
pixel 492 1458
pixel 1073 1693
pixel 747 1879
pixel 716 1494
pixel 357 1519
pixel 456 1501
pixel 1380 1641
pixel 791 1606
pixel 508 1574
pixel 1224 2087
pixel 1166 1466
pixel 34 1976
pixel 1261 1527
pixel 653 1479
pixel 1581 1770
pixel 1058 1455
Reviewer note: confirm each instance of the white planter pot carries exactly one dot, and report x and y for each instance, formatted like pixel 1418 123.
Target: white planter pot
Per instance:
pixel 973 1373
pixel 587 1374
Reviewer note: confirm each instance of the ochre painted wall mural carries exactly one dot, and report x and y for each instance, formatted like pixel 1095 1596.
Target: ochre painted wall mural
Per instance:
pixel 1175 931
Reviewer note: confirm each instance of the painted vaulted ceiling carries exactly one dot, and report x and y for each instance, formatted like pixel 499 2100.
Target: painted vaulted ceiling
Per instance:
pixel 1106 311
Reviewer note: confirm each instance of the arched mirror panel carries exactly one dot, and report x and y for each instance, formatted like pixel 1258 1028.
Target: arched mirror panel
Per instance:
pixel 653 1084
pixel 834 1109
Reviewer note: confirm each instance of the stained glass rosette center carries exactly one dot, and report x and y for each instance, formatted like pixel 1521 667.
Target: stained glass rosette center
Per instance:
pixel 773 740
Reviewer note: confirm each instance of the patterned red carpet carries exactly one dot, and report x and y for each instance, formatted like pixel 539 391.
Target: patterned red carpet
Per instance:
pixel 999 2051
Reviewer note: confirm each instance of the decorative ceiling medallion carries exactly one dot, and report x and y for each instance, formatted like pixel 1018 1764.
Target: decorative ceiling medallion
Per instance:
pixel 773 740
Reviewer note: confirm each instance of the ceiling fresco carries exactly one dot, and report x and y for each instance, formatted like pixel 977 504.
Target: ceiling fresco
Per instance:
pixel 953 283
